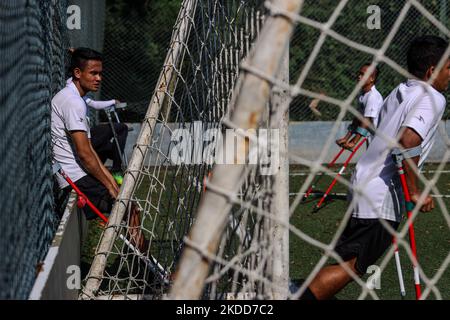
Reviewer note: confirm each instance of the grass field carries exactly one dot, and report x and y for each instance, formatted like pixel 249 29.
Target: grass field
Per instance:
pixel 432 236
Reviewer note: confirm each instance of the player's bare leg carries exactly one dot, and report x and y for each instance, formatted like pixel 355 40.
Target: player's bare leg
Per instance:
pixel 137 238
pixel 331 279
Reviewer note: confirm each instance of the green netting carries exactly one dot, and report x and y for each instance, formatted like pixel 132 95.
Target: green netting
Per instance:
pixel 32 51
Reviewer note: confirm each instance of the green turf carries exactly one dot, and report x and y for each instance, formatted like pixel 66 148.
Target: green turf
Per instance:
pixel 432 235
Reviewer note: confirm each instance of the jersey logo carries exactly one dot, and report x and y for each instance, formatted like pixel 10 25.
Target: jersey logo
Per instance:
pixel 421 119
pixel 81 119
pixel 399 97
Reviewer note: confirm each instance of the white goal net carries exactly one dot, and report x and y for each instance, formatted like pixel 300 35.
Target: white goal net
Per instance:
pixel 239 227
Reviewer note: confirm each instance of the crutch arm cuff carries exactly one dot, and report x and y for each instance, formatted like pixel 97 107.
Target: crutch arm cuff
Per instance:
pixel 399 155
pixel 362 131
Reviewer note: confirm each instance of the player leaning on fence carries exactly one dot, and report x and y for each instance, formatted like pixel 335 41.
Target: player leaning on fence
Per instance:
pixel 369 102
pixel 71 143
pixel 410 114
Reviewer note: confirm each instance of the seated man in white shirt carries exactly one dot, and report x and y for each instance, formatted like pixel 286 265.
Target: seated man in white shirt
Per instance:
pixel 369 102
pixel 410 115
pixel 102 136
pixel 71 143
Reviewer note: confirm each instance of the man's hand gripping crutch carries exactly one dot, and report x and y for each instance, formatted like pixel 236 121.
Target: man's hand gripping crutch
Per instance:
pixel 360 131
pixel 343 144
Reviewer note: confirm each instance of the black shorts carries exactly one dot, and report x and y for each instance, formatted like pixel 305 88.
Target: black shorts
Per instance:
pixel 365 239
pixel 97 193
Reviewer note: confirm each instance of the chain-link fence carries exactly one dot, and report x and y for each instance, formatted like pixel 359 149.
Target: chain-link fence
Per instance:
pixel 136 39
pixel 335 69
pixel 32 46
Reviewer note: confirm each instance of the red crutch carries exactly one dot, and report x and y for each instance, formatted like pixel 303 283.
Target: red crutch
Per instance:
pixel 398 159
pixel 330 165
pixel 341 171
pixel 83 200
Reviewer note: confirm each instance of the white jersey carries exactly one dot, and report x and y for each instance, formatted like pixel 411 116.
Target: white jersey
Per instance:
pixel 69 113
pixel 412 104
pixel 370 104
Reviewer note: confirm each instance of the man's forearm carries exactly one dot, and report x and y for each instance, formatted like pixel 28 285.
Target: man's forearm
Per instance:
pixel 366 123
pixel 90 161
pixel 410 139
pixel 410 175
pixel 355 123
pixel 91 164
pixel 105 171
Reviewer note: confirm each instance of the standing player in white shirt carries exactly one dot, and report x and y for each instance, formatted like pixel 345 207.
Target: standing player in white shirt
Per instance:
pixel 410 115
pixel 370 101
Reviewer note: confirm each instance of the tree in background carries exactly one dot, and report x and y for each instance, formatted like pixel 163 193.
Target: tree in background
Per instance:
pixel 335 68
pixel 137 35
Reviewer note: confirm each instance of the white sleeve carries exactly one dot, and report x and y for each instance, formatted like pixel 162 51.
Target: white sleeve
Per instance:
pixel 424 115
pixel 99 105
pixel 75 117
pixel 373 106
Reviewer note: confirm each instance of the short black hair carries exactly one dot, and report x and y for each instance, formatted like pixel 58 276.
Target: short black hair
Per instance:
pixel 81 56
pixel 376 71
pixel 425 52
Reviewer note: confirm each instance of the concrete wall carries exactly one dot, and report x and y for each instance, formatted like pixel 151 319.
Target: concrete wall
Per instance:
pixel 307 139
pixel 65 251
pixel 92 24
pixel 91 30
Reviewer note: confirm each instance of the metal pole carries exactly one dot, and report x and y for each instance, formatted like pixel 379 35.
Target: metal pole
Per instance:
pixel 280 208
pixel 412 238
pixel 173 58
pixel 122 154
pixel 399 268
pixel 212 214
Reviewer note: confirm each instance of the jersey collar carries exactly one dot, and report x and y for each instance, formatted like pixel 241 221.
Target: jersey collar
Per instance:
pixel 73 87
